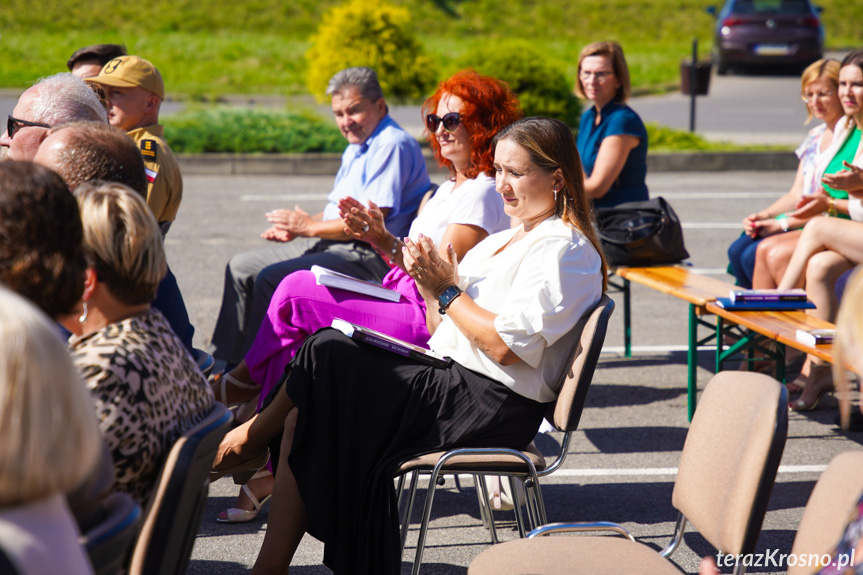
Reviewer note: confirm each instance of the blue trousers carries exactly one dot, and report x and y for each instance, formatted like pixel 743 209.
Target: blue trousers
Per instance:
pixel 741 256
pixel 170 302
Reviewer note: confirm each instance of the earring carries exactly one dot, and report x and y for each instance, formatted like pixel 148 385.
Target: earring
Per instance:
pixel 555 194
pixel 83 317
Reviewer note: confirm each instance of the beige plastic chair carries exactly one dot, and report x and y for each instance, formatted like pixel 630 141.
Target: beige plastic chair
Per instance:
pixel 171 523
pixel 826 513
pixel 723 485
pixel 585 340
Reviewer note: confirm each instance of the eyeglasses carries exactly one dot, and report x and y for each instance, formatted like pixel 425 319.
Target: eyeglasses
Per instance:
pixel 809 96
pixel 450 122
pixel 601 77
pixel 14 124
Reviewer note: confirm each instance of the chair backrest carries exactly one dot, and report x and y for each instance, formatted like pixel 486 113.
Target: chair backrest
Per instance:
pixel 174 515
pixel 108 544
pixel 588 335
pixel 826 513
pixel 730 458
pixel 204 361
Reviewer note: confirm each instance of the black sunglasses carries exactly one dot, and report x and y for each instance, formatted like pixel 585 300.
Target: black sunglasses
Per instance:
pixel 14 124
pixel 450 122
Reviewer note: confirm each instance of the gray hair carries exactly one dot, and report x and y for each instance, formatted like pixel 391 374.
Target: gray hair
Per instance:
pixel 66 98
pixel 363 79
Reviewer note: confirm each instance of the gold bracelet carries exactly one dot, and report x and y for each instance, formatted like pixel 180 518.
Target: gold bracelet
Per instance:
pixel 831 207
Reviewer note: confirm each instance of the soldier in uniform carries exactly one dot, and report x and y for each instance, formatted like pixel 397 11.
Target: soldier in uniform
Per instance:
pixel 134 90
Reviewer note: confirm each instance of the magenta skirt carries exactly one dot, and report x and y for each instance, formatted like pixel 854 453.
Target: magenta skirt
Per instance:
pixel 300 307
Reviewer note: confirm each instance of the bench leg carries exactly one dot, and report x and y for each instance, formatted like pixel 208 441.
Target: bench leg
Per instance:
pixel 780 362
pixel 692 362
pixel 627 320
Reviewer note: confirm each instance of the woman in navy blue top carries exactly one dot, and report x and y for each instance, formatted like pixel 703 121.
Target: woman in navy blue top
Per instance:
pixel 612 140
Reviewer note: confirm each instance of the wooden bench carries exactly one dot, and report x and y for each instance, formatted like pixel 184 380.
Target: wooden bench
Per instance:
pixel 678 281
pixel 778 326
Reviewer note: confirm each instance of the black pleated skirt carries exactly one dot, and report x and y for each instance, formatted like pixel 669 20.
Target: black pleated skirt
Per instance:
pixel 363 410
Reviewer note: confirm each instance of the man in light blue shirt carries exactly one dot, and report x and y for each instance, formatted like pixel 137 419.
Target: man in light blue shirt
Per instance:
pixel 382 163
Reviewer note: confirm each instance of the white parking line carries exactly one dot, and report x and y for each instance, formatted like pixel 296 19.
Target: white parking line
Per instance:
pixel 282 197
pixel 712 195
pixel 711 226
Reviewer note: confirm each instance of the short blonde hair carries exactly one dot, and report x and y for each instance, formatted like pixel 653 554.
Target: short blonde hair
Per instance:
pixel 848 346
pixel 618 63
pixel 51 440
pixel 828 69
pixel 122 241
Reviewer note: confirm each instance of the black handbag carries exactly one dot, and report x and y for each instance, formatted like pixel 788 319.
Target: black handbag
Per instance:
pixel 641 234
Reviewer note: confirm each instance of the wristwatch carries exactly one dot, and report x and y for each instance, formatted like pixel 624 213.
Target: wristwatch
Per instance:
pixel 445 299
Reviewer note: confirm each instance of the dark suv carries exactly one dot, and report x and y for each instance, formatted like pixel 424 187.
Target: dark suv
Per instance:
pixel 766 32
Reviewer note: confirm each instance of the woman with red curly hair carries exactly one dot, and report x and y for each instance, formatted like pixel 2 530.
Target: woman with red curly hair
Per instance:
pixel 461 118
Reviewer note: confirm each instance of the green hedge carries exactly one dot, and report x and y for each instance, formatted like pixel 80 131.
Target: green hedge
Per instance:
pixel 541 86
pixel 248 131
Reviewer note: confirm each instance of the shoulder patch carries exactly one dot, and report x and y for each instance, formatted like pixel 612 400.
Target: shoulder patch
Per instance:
pixel 151 175
pixel 148 148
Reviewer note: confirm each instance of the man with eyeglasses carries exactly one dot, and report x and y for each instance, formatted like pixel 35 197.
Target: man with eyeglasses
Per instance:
pixel 134 91
pixel 52 101
pixel 382 163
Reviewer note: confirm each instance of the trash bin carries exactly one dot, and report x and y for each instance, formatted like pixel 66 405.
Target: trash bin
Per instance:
pixel 702 77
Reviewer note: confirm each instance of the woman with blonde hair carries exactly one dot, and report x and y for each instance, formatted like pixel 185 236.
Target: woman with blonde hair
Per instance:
pixel 612 139
pixel 759 256
pixel 145 386
pixel 50 444
pixel 828 248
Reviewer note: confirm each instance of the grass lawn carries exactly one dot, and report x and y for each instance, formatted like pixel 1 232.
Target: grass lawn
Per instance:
pixel 258 46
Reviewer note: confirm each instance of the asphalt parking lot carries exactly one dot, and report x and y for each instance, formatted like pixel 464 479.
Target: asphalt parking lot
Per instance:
pixel 621 464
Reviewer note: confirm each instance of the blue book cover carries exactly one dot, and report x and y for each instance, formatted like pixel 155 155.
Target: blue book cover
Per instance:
pixel 726 303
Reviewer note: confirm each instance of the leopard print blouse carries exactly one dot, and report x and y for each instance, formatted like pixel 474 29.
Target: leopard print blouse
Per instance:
pixel 147 391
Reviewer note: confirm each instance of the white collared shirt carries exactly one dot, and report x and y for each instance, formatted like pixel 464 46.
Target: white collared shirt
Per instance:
pixel 539 287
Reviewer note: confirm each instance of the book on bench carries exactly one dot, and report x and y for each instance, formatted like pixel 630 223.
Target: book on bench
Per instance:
pixel 727 303
pixel 389 343
pixel 330 278
pixel 813 337
pixel 767 295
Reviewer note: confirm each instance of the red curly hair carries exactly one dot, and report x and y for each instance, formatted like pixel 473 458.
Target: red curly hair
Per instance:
pixel 489 107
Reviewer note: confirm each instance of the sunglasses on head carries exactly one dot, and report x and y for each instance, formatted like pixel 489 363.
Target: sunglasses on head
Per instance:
pixel 14 124
pixel 450 122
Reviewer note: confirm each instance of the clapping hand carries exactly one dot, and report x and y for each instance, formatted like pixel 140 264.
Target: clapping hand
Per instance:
pixel 431 272
pixel 366 224
pixel 287 224
pixel 850 179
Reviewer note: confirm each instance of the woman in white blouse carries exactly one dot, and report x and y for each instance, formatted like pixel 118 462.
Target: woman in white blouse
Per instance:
pixel 351 412
pixel 462 117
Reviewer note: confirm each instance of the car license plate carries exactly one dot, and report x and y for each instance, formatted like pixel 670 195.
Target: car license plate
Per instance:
pixel 772 49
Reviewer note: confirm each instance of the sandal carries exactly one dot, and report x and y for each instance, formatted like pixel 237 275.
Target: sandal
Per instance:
pixel 820 378
pixel 237 515
pixel 220 387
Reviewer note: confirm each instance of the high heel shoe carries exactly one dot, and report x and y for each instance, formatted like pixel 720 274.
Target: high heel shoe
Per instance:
pixel 820 377
pixel 237 515
pixel 242 472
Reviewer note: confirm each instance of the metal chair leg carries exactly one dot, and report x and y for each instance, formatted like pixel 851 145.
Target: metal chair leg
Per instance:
pixel 424 523
pixel 406 515
pixel 490 510
pixel 400 490
pixel 483 505
pixel 518 496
